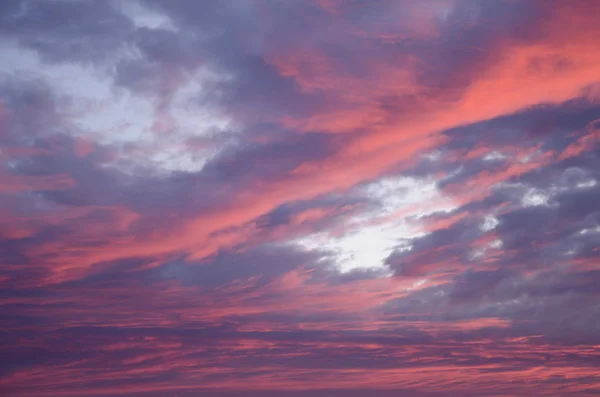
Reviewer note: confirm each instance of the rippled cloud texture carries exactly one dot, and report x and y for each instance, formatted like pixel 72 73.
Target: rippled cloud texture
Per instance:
pixel 300 198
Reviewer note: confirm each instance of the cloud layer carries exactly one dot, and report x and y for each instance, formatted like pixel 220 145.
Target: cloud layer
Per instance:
pixel 300 198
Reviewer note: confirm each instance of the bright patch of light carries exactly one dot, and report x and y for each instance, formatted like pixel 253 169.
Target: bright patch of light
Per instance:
pixel 480 252
pixel 417 284
pixel 490 222
pixel 366 248
pixel 587 184
pixel 372 236
pixel 496 244
pixel 535 198
pixel 494 156
pixel 590 230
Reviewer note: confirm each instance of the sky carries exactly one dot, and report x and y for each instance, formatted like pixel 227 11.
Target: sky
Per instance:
pixel 299 198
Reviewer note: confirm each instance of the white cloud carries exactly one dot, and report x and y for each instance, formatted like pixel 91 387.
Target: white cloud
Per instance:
pixel 495 155
pixel 535 197
pixel 144 17
pixel 490 222
pixel 372 236
pixel 94 108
